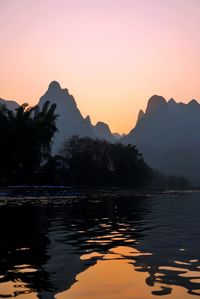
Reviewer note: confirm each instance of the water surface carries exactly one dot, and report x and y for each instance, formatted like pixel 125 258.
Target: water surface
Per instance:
pixel 103 249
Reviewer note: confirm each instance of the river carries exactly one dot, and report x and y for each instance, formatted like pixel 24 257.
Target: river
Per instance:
pixel 137 248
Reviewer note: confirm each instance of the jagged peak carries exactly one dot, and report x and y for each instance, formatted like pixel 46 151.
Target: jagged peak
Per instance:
pixel 88 119
pixel 193 102
pixel 172 101
pixel 54 85
pixel 155 103
pixel 60 95
pixel 103 131
pixel 101 124
pixel 140 114
pixel 66 90
pixel 157 99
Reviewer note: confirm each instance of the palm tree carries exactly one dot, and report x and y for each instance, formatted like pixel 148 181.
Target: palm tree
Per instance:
pixel 26 136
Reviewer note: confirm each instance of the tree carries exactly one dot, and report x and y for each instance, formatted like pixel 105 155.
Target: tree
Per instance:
pixel 26 136
pixel 93 162
pixel 129 168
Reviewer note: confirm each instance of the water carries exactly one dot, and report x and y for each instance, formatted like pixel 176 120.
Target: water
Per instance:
pixel 100 249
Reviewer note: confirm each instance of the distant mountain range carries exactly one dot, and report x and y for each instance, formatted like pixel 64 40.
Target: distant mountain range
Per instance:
pixel 167 133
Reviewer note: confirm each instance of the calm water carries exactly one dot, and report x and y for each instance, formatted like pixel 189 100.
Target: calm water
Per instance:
pixel 101 249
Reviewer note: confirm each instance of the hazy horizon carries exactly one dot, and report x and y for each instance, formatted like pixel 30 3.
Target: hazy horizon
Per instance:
pixel 111 55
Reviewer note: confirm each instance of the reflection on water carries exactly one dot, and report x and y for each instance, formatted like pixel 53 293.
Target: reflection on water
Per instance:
pixel 110 248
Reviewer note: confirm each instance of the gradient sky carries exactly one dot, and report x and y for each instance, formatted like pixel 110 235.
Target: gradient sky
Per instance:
pixel 112 55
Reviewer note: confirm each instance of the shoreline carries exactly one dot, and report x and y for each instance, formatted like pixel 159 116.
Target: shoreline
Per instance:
pixel 72 193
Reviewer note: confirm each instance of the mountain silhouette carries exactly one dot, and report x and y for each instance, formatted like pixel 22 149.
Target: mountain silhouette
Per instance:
pixel 70 120
pixel 102 130
pixel 69 114
pixel 85 128
pixel 168 135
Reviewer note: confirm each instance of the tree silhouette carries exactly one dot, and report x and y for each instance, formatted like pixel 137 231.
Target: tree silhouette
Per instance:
pixel 93 162
pixel 26 137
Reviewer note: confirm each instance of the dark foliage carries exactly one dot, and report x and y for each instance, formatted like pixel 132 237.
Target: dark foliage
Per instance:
pixel 26 135
pixel 93 162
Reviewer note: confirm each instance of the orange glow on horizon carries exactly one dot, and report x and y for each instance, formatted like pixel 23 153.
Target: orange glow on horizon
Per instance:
pixel 111 55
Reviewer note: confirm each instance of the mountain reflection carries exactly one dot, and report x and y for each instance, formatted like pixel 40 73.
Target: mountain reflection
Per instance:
pixel 46 244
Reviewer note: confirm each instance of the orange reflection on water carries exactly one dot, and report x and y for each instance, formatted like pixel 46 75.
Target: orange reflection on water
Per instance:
pixel 114 277
pixel 126 251
pixel 90 255
pixel 23 269
pixel 16 288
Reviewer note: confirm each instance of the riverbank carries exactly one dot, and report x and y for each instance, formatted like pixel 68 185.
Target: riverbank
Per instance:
pixel 71 192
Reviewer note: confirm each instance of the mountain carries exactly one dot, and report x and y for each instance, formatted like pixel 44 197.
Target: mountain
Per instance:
pixel 11 105
pixel 168 135
pixel 69 115
pixel 102 131
pixel 85 128
pixel 70 121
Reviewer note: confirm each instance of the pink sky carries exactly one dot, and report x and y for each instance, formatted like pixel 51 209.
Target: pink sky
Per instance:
pixel 112 55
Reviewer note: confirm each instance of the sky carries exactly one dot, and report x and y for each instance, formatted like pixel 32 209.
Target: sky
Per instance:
pixel 112 55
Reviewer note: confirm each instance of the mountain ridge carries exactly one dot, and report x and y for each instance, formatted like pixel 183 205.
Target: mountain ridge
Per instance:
pixel 70 121
pixel 167 135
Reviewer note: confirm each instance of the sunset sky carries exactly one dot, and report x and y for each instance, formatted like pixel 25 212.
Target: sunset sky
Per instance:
pixel 112 55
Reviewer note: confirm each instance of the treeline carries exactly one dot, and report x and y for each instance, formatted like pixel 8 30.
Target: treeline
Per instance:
pixel 92 162
pixel 27 134
pixel 25 154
